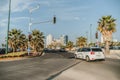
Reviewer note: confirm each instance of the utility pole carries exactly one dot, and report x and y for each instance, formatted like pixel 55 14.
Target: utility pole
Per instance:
pixel 8 26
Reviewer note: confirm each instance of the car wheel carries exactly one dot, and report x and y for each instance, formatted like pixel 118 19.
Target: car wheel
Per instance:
pixel 87 58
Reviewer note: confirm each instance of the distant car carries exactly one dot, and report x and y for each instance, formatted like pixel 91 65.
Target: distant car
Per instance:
pixel 114 48
pixel 90 54
pixel 62 50
pixel 2 50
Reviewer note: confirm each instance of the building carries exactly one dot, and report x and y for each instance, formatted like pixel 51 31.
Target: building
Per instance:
pixel 61 41
pixel 64 39
pixel 49 39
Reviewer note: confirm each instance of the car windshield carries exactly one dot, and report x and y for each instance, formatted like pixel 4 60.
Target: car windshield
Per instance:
pixel 96 49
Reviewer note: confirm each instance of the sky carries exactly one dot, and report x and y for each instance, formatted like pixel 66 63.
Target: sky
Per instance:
pixel 74 17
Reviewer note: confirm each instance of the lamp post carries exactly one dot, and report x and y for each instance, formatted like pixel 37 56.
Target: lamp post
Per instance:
pixel 8 26
pixel 31 23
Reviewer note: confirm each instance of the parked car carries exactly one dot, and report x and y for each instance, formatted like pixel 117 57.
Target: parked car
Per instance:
pixel 114 48
pixel 2 50
pixel 90 54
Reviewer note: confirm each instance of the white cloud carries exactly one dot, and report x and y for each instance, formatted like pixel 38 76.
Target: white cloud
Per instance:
pixel 45 3
pixel 76 18
pixel 20 5
pixel 19 19
pixel 16 5
pixel 4 22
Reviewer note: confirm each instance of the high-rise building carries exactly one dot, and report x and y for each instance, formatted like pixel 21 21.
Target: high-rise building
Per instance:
pixel 49 39
pixel 64 39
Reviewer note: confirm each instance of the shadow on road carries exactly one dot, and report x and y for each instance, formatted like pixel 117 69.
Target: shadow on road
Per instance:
pixel 59 55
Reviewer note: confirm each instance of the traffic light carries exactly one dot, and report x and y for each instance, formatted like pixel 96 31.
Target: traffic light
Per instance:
pixel 54 20
pixel 96 35
pixel 29 37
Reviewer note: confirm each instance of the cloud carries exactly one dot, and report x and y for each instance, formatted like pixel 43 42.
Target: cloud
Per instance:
pixel 20 5
pixel 45 3
pixel 76 18
pixel 16 19
pixel 16 5
pixel 4 22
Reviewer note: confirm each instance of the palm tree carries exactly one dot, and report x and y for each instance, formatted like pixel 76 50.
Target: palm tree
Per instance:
pixel 37 41
pixel 107 26
pixel 22 42
pixel 13 39
pixel 69 45
pixel 81 41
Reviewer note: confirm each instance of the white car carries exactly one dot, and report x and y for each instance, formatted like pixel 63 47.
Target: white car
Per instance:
pixel 89 54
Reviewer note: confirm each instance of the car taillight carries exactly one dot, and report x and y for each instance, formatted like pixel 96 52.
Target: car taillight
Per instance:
pixel 92 53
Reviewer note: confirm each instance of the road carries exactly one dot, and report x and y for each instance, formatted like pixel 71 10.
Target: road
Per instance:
pixel 55 66
pixel 37 68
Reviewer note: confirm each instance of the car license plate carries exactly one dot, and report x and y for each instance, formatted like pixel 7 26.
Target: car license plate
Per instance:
pixel 98 55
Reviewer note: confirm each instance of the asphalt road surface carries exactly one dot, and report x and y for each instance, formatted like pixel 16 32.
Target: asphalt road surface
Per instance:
pixel 54 65
pixel 37 68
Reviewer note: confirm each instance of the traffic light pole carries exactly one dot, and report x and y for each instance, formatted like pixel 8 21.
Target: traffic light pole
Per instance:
pixel 8 26
pixel 30 24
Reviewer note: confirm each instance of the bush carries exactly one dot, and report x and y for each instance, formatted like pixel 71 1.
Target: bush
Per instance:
pixel 15 54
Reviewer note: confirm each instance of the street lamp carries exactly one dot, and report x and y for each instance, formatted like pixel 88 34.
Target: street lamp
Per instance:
pixel 32 23
pixel 8 26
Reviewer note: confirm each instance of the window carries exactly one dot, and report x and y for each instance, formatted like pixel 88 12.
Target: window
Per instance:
pixel 79 50
pixel 86 49
pixel 96 49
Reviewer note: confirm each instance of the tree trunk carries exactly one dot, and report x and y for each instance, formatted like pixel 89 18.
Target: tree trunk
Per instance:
pixel 107 51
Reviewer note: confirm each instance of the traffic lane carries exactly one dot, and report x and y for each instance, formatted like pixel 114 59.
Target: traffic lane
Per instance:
pixel 38 68
pixel 37 59
pixel 96 70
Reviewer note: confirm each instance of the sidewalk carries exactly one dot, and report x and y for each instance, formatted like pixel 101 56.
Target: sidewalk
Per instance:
pixel 113 56
pixel 77 72
pixel 90 71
